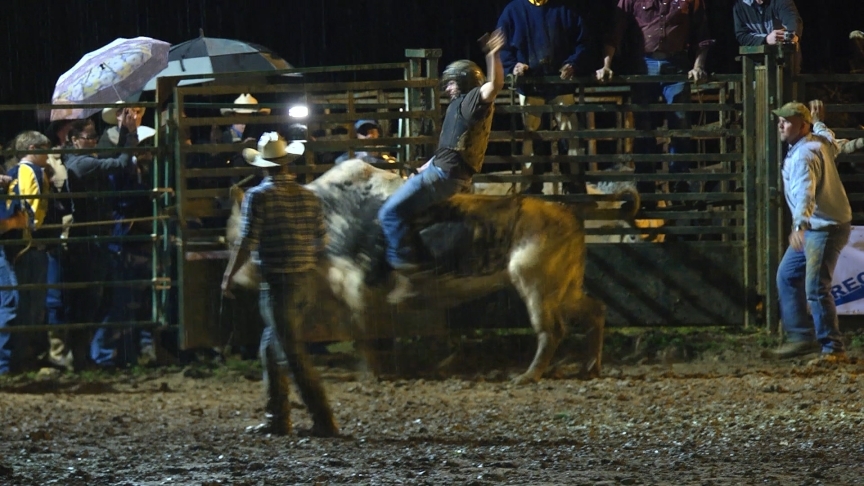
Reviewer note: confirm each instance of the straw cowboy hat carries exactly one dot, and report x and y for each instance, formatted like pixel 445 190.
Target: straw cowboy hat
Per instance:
pixel 245 99
pixel 109 115
pixel 273 151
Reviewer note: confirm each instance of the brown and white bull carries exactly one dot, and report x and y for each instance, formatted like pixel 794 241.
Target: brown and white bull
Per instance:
pixel 601 188
pixel 480 244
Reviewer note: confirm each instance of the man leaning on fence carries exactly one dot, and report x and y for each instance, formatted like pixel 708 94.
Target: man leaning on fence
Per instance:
pixel 91 261
pixel 546 38
pixel 821 219
pixel 673 33
pixel 284 223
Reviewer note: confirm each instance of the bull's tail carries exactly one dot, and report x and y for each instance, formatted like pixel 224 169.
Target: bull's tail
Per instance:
pixel 236 192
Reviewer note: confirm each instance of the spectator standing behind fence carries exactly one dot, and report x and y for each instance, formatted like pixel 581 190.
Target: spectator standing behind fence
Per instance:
pixel 116 135
pixel 771 22
pixel 59 217
pixel 237 132
pixel 284 223
pixel 365 130
pixel 673 31
pixel 821 219
pixel 20 263
pixel 130 260
pixel 546 38
pixel 91 262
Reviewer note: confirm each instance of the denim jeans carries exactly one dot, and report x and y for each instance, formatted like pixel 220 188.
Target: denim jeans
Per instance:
pixel 54 302
pixel 559 121
pixel 284 302
pixel 121 346
pixel 804 278
pixel 8 310
pixel 646 93
pixel 417 194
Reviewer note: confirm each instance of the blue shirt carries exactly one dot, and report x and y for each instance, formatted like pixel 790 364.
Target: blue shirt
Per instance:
pixel 544 38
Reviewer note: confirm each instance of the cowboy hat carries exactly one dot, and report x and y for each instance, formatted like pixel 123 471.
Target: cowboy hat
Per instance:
pixel 109 115
pixel 245 99
pixel 273 151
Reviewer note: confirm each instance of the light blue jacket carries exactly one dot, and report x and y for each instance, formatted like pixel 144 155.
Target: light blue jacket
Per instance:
pixel 813 189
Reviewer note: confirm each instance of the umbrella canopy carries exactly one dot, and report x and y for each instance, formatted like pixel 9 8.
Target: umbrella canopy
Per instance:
pixel 207 55
pixel 113 73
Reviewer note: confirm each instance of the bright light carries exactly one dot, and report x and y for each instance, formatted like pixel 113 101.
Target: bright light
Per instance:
pixel 298 111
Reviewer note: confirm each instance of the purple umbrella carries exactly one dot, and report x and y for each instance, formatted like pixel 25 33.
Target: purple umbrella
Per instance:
pixel 113 73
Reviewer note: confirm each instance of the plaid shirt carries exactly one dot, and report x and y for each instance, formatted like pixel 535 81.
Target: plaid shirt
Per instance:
pixel 282 221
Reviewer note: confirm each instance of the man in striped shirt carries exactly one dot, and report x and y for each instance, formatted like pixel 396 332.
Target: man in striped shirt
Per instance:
pixel 283 224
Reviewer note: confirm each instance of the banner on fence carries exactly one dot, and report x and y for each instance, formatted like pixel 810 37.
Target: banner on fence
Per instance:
pixel 848 285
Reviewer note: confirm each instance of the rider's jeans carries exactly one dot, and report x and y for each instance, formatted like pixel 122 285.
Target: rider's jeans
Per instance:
pixel 417 194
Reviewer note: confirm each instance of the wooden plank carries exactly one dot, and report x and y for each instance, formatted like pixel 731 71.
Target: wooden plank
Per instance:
pixel 304 87
pixel 612 158
pixel 312 118
pixel 612 133
pixel 613 108
pixel 601 176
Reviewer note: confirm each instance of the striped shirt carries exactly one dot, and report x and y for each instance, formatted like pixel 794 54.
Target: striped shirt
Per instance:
pixel 283 221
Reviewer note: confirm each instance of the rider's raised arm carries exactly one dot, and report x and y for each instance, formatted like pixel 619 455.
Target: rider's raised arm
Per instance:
pixel 494 69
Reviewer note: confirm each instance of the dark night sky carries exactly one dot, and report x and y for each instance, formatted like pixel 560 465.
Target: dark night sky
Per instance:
pixel 46 37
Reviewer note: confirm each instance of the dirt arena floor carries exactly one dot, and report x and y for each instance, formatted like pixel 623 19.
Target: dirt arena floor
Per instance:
pixel 686 410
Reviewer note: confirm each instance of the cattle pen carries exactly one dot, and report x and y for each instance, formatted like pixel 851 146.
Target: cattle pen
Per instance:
pixel 676 408
pixel 710 261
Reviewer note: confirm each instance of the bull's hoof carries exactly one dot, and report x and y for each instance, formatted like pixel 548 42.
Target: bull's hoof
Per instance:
pixel 590 371
pixel 524 379
pixel 269 428
pixel 324 430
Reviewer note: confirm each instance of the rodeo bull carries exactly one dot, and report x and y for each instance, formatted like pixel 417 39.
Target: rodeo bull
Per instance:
pixel 534 246
pixel 601 188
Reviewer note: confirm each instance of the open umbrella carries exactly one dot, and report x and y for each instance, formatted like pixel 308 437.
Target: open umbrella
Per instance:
pixel 206 55
pixel 113 73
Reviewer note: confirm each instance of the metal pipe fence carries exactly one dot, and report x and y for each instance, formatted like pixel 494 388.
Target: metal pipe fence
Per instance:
pixel 731 202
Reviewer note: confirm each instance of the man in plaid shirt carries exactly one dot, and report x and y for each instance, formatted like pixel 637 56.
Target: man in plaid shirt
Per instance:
pixel 283 223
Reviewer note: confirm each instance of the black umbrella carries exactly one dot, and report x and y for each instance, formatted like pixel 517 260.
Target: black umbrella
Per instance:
pixel 207 55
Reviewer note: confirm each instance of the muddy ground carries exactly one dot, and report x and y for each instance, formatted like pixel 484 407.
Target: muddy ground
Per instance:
pixel 683 409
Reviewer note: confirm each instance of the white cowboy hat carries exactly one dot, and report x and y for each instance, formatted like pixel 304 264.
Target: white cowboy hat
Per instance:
pixel 145 132
pixel 273 151
pixel 245 99
pixel 109 115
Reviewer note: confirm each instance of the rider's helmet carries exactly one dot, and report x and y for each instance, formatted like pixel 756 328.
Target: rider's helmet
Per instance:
pixel 467 75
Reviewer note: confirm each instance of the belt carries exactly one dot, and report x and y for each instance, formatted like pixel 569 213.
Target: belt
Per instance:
pixel 662 56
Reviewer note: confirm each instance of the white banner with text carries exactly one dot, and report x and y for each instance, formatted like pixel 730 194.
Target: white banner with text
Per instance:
pixel 848 285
